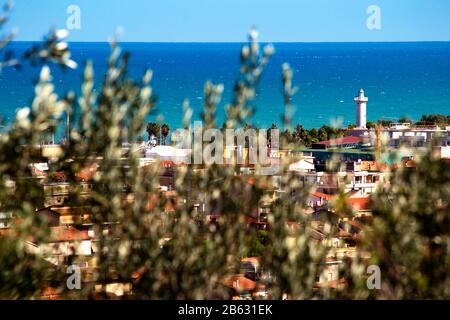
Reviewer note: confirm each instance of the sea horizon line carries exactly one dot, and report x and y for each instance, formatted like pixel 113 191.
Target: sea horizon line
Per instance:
pixel 242 42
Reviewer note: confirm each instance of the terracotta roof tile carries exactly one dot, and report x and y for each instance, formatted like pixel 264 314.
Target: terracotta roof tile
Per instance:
pixel 359 203
pixel 239 283
pixel 322 195
pixel 63 234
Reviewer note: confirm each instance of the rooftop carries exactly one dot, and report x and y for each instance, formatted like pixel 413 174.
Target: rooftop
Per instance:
pixel 340 141
pixel 239 283
pixel 64 234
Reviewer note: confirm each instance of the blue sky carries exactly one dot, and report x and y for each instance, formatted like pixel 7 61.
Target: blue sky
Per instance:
pixel 229 20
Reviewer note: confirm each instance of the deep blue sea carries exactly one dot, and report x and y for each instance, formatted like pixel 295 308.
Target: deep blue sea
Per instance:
pixel 400 79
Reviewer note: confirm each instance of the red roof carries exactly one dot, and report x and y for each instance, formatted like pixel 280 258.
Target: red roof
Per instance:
pixel 58 176
pixel 239 283
pixel 340 141
pixel 167 163
pixel 407 163
pixel 344 234
pixel 253 260
pixel 322 195
pixel 57 234
pixel 50 293
pixel 359 203
pixel 63 234
pixel 155 201
pixel 87 173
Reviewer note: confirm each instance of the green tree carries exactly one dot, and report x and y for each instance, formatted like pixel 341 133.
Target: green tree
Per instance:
pixel 154 131
pixel 257 243
pixel 385 123
pixel 165 131
pixel 404 120
pixel 410 235
pixel 434 119
pixel 371 125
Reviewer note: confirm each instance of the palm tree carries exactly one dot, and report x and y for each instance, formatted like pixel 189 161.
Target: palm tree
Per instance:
pixel 165 130
pixel 153 131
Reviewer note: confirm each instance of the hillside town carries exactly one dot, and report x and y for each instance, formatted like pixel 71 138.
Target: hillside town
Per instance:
pixel 363 166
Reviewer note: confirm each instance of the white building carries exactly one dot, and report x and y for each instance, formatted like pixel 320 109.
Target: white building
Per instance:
pixel 405 134
pixel 443 152
pixel 164 153
pixel 5 220
pixel 396 134
pixel 361 178
pixel 303 166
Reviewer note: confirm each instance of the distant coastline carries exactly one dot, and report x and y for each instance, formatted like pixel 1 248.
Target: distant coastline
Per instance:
pixel 241 42
pixel 402 79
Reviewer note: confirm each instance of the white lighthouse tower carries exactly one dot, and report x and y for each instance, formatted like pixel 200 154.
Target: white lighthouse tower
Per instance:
pixel 361 110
